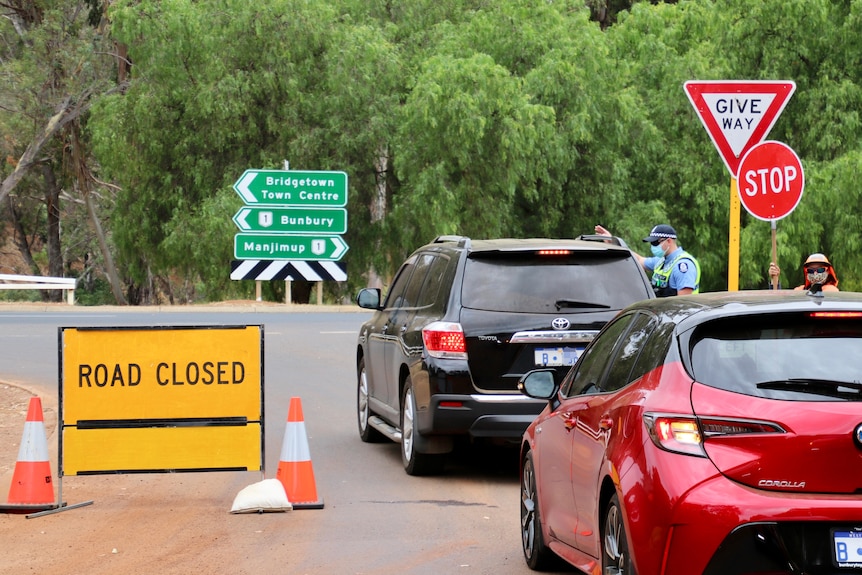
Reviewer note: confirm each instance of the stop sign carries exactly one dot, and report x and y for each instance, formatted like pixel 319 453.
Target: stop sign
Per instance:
pixel 770 180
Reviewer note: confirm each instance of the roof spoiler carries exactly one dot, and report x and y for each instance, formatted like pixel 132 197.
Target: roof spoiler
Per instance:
pixel 617 241
pixel 463 241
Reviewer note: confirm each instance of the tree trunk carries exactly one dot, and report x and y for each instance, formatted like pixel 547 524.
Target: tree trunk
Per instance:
pixel 65 112
pixel 20 238
pixel 55 254
pixel 84 177
pixel 110 268
pixel 378 205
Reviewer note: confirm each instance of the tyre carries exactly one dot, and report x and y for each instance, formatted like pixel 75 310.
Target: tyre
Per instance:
pixel 363 407
pixel 415 462
pixel 538 556
pixel 616 559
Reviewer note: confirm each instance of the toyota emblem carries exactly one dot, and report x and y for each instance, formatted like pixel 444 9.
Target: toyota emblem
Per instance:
pixel 560 323
pixel 857 435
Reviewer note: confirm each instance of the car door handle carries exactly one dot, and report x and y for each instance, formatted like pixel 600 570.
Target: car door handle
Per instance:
pixel 570 420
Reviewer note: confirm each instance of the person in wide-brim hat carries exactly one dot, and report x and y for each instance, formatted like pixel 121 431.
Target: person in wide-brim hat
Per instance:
pixel 817 270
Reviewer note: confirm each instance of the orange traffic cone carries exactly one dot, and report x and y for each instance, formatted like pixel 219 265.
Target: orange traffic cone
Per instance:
pixel 294 467
pixel 32 488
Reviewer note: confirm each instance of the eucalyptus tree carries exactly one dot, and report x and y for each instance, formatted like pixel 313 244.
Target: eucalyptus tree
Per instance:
pixel 811 42
pixel 464 116
pixel 816 43
pixel 216 88
pixel 679 177
pixel 513 126
pixel 56 60
pixel 223 86
pixel 363 87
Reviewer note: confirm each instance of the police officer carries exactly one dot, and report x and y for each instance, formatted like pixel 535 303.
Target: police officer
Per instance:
pixel 674 271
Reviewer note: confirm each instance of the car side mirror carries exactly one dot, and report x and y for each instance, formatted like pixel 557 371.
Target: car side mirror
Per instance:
pixel 368 298
pixel 538 384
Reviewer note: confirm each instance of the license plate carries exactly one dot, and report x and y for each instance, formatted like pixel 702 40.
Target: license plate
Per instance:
pixel 847 547
pixel 556 356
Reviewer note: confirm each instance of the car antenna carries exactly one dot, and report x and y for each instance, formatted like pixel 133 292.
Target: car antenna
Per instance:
pixel 816 290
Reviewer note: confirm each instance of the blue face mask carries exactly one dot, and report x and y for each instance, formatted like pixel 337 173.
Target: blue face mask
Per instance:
pixel 657 251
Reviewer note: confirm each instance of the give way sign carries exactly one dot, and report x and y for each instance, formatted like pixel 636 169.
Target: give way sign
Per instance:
pixel 770 180
pixel 738 114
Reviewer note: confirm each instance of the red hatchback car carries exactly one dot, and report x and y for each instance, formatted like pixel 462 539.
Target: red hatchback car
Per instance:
pixel 715 434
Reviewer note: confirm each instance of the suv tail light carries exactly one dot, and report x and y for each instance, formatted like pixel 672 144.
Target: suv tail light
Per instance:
pixel 444 340
pixel 685 433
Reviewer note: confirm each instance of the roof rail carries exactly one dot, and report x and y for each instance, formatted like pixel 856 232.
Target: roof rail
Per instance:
pixel 463 241
pixel 617 241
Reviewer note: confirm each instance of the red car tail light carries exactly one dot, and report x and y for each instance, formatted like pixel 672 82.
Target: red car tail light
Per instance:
pixel 712 427
pixel 679 434
pixel 445 340
pixel 554 252
pixel 685 433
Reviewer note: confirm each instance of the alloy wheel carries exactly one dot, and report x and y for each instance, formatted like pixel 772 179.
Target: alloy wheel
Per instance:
pixel 407 425
pixel 616 559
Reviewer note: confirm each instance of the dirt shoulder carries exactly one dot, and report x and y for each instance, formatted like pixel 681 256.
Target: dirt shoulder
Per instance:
pixel 172 524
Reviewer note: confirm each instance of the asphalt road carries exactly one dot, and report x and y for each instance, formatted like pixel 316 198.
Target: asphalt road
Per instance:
pixel 375 519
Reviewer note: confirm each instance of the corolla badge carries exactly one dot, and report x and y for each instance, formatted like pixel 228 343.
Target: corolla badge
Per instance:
pixel 560 323
pixel 781 483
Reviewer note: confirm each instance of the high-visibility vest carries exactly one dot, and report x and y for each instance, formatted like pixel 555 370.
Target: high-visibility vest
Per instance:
pixel 661 275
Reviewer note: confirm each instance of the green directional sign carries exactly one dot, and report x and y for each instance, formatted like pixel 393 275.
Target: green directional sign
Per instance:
pixel 293 188
pixel 316 247
pixel 292 220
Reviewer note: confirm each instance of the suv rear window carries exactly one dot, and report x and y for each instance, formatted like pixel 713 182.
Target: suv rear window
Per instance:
pixel 801 357
pixel 530 283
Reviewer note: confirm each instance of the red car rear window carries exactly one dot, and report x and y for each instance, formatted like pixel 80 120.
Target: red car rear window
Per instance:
pixel 789 356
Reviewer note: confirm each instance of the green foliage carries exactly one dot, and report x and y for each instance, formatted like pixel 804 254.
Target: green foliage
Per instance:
pixel 510 118
pixel 219 87
pixel 468 135
pixel 53 56
pixel 99 293
pixel 194 243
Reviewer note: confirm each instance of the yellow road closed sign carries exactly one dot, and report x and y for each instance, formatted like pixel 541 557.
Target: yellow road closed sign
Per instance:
pixel 161 399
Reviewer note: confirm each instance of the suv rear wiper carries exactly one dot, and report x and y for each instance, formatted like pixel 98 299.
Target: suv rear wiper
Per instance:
pixel 827 387
pixel 569 304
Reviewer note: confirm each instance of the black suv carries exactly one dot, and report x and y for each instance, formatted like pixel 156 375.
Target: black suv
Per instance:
pixel 465 319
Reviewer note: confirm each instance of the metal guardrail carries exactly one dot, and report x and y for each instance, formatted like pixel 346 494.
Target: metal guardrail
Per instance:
pixel 11 281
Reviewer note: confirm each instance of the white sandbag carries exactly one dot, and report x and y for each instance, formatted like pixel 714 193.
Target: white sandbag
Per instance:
pixel 264 496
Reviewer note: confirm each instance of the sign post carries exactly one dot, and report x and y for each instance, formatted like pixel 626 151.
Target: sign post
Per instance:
pixel 771 184
pixel 737 115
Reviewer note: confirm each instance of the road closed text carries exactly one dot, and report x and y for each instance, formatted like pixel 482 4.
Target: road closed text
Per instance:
pixel 131 374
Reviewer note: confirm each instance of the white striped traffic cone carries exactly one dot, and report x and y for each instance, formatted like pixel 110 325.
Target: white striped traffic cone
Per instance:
pixel 294 467
pixel 32 488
